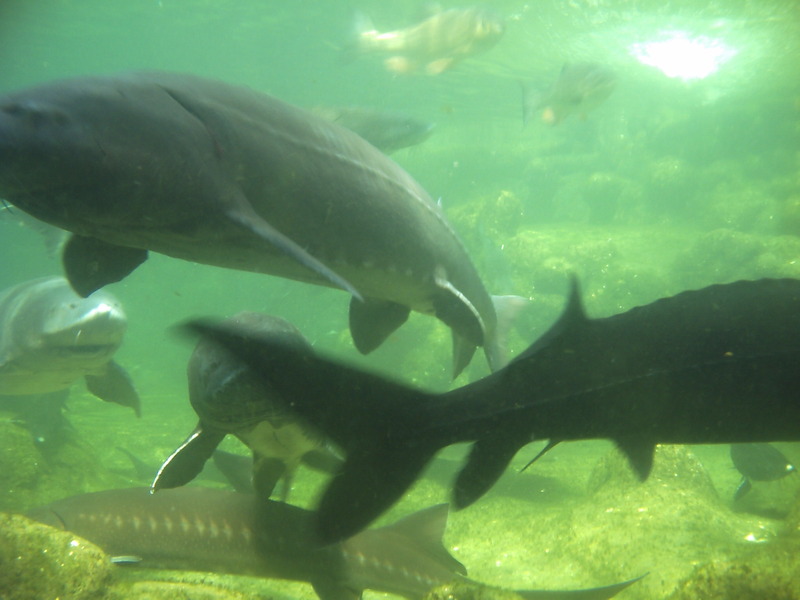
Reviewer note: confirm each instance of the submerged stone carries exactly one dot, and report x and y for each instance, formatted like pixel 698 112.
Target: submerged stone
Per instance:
pixel 37 561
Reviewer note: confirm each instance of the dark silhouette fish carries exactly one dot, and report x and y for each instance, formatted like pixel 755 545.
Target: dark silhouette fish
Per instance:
pixel 203 529
pixel 230 398
pixel 716 365
pixel 758 462
pixel 213 173
pixel 580 87
pixel 387 131
pixel 49 338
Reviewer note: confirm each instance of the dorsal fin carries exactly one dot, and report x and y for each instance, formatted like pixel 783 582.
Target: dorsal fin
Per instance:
pixel 425 530
pixel 572 316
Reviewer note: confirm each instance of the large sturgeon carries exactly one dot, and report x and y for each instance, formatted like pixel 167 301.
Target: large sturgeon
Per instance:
pixel 213 173
pixel 716 365
pixel 205 529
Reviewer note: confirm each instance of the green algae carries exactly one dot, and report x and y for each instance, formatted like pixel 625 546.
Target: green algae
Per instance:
pixel 37 562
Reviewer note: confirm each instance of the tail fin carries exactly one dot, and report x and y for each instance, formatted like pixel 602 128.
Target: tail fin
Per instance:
pixel 375 421
pixel 598 593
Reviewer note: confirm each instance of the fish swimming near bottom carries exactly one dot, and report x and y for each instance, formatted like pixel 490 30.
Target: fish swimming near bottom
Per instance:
pixel 206 529
pixel 716 365
pixel 758 462
pixel 49 338
pixel 229 397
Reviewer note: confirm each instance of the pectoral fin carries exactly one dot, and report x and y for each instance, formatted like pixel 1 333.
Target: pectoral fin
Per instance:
pixel 186 462
pixel 89 263
pixel 247 218
pixel 455 310
pixel 115 385
pixel 373 320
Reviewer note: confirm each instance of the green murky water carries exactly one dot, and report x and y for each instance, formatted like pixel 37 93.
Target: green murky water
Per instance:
pixel 688 175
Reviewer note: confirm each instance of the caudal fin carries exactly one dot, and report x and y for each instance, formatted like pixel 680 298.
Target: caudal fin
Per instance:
pixel 375 421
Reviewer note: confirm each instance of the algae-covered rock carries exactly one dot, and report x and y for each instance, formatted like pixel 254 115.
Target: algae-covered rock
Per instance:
pixel 19 464
pixel 169 590
pixel 789 215
pixel 767 574
pixel 37 561
pixel 673 467
pixel 772 499
pixel 726 255
pixel 792 521
pixel 546 258
pixel 718 256
pixel 740 205
pixel 666 525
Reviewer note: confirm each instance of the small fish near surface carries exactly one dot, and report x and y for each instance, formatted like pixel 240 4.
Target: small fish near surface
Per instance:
pixel 716 365
pixel 387 131
pixel 758 462
pixel 230 398
pixel 580 88
pixel 435 44
pixel 49 338
pixel 204 529
pixel 218 174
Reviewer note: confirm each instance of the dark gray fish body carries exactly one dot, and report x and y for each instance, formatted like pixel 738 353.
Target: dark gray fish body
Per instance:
pixel 204 529
pixel 716 365
pixel 580 87
pixel 213 173
pixel 50 337
pixel 759 462
pixel 230 398
pixel 387 131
